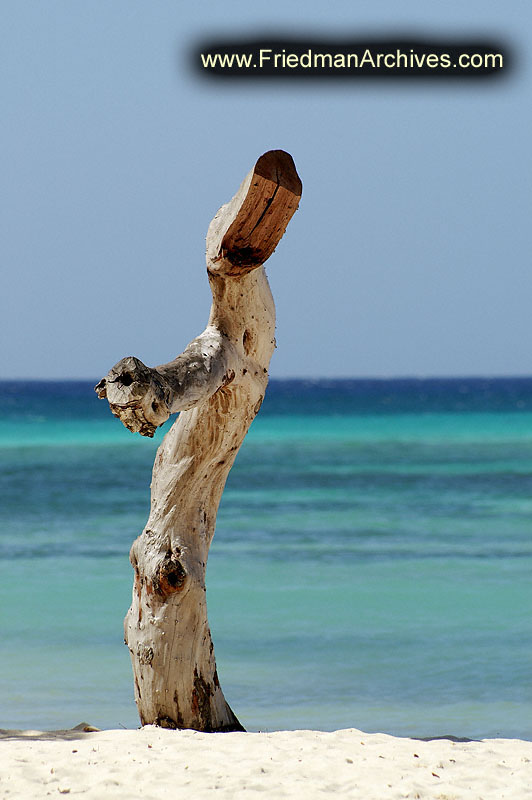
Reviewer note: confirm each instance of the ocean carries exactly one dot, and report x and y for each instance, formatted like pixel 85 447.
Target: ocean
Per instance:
pixel 371 566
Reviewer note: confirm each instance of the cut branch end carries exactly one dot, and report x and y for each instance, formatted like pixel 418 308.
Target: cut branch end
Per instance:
pixel 246 231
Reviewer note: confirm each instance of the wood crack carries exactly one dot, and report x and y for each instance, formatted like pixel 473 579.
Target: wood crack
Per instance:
pixel 268 204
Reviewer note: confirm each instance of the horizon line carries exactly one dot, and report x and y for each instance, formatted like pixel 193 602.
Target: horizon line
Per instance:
pixel 310 378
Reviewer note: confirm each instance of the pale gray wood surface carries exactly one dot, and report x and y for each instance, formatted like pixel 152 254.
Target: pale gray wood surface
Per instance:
pixel 217 384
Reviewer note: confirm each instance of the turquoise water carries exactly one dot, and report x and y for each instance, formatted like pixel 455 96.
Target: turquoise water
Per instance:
pixel 371 566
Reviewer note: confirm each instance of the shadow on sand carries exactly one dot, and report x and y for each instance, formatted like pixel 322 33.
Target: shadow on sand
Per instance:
pixel 79 732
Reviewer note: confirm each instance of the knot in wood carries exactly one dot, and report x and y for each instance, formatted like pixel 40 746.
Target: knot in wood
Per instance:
pixel 171 576
pixel 145 654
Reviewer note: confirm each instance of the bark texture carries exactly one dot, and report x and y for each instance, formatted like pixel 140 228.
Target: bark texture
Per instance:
pixel 218 384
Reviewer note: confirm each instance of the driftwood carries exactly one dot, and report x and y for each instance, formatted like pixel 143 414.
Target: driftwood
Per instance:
pixel 218 385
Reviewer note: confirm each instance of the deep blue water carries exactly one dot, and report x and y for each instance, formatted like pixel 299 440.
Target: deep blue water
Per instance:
pixel 371 566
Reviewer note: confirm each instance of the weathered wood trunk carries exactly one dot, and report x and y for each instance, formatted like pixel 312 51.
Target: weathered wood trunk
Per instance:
pixel 218 385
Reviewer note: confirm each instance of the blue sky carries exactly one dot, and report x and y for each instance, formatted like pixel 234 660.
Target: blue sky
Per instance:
pixel 410 254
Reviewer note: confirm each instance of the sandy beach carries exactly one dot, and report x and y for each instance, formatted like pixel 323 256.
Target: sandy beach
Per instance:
pixel 153 763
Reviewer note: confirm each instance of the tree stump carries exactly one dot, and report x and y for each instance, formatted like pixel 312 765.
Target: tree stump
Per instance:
pixel 217 384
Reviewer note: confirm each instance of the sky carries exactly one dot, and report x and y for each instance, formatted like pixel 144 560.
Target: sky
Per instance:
pixel 410 253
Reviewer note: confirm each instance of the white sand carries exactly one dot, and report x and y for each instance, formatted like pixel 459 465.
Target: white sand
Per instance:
pixel 156 763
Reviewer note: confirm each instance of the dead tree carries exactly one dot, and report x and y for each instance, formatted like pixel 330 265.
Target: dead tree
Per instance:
pixel 217 384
